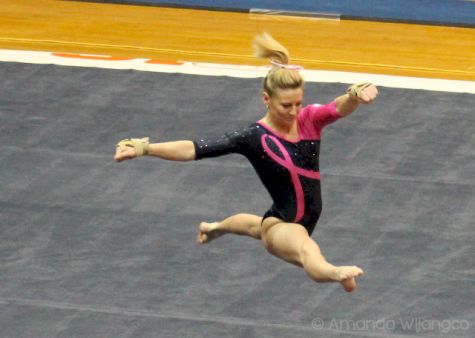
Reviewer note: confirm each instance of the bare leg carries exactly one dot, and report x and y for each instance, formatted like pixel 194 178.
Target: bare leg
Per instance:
pixel 292 243
pixel 240 224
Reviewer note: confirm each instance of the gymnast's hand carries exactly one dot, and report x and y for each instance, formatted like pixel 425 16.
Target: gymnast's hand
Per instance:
pixel 368 94
pixel 128 149
pixel 363 92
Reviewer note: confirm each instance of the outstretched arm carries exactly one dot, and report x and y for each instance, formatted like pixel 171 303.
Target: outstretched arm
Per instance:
pixel 172 151
pixel 358 93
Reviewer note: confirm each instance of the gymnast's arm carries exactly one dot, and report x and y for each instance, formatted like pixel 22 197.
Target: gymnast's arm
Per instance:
pixel 358 93
pixel 182 150
pixel 172 151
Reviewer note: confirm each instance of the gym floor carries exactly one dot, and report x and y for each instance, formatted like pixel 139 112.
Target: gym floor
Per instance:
pixel 92 248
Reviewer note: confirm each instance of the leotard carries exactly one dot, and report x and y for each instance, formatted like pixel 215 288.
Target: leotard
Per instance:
pixel 289 169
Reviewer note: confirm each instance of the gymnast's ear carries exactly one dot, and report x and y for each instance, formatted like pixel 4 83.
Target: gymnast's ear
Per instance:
pixel 265 98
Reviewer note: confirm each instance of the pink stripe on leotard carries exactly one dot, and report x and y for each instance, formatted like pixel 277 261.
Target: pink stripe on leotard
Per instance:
pixel 310 122
pixel 295 171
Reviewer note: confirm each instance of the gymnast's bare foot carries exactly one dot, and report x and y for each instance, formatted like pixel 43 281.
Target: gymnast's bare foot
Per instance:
pixel 346 276
pixel 208 232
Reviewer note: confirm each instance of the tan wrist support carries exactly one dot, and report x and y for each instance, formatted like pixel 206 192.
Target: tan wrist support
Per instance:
pixel 139 144
pixel 355 90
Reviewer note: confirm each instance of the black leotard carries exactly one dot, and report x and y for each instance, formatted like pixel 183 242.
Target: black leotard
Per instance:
pixel 289 169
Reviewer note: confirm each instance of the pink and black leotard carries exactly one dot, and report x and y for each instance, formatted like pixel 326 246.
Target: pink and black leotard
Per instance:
pixel 289 169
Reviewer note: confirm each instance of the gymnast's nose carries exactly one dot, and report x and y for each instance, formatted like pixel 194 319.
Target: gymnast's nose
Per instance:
pixel 294 111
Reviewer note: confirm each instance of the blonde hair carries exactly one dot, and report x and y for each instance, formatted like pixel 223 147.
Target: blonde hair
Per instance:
pixel 279 76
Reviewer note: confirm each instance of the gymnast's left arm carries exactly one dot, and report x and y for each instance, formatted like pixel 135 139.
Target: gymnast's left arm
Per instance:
pixel 358 93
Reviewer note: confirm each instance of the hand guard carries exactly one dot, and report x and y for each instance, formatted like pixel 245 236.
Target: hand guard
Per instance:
pixel 139 144
pixel 355 90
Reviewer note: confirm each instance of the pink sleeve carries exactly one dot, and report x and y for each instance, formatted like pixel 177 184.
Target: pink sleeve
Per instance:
pixel 315 117
pixel 321 115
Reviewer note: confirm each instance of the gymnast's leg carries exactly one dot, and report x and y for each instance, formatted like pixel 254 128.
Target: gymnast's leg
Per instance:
pixel 292 243
pixel 240 224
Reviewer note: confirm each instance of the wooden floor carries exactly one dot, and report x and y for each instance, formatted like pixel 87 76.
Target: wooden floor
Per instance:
pixel 197 35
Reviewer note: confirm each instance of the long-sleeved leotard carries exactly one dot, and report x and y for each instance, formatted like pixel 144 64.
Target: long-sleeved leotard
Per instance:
pixel 289 169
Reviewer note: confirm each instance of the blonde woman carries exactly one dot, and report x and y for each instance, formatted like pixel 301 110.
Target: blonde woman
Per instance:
pixel 283 148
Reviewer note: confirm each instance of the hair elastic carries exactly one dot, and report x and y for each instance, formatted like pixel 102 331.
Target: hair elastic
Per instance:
pixel 281 65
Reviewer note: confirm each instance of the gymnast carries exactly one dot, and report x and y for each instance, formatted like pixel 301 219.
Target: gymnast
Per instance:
pixel 283 147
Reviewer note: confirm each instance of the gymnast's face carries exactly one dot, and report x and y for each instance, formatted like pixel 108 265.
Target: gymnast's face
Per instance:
pixel 284 105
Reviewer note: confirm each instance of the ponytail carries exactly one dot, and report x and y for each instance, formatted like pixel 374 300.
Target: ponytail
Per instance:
pixel 281 75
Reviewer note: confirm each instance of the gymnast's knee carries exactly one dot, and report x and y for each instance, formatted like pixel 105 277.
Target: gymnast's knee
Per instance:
pixel 309 251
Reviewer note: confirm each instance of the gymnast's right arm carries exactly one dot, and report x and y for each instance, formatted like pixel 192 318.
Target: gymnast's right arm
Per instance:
pixel 181 150
pixel 173 151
